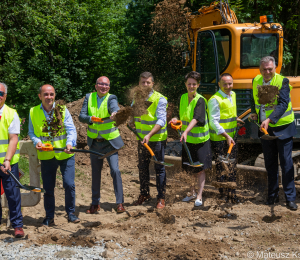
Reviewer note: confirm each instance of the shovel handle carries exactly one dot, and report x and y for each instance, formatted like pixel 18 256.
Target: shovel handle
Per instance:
pixel 97 119
pixel 149 149
pixel 265 131
pixel 47 147
pixel 177 126
pixel 230 148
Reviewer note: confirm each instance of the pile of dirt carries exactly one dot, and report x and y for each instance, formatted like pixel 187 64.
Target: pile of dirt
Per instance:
pixel 128 154
pixel 54 125
pixel 267 94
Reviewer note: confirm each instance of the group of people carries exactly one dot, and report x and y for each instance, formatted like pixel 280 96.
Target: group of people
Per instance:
pixel 207 128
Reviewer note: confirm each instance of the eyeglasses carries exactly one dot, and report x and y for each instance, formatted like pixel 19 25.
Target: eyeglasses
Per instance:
pixel 2 93
pixel 103 84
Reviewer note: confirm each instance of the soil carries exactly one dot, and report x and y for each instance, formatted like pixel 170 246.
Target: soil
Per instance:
pixel 267 94
pixel 139 94
pixel 180 231
pixel 54 125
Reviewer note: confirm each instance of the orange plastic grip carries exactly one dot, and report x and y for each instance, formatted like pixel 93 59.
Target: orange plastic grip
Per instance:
pixel 265 131
pixel 97 119
pixel 149 149
pixel 47 147
pixel 230 148
pixel 177 126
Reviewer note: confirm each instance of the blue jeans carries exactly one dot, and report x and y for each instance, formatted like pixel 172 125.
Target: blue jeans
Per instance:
pixel 13 196
pixel 67 168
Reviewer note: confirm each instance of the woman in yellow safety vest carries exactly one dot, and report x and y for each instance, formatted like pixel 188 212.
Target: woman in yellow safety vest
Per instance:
pixel 192 112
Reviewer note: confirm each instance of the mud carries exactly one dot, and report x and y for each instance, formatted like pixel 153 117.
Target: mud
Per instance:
pixel 139 95
pixel 54 125
pixel 267 94
pixel 123 115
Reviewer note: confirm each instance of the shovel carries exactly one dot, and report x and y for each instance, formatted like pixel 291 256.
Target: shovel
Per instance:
pixel 178 126
pixel 48 147
pixel 149 149
pixel 266 135
pixel 21 186
pixel 226 159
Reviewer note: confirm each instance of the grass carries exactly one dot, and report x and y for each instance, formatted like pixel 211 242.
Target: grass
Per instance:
pixel 24 166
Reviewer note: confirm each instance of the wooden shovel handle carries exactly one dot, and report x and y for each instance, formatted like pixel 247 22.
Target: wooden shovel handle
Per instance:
pixel 149 149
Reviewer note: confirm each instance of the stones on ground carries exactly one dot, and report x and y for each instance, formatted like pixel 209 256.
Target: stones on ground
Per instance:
pixel 238 239
pixel 54 238
pixel 111 245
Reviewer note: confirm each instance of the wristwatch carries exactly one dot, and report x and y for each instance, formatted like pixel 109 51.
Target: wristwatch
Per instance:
pixel 6 160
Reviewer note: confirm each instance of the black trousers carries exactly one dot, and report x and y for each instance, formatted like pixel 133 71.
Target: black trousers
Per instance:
pixel 282 148
pixel 144 162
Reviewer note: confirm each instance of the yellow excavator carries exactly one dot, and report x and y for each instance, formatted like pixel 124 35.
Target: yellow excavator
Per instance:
pixel 218 43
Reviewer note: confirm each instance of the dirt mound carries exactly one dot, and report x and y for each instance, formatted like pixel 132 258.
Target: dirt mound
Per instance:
pixel 128 154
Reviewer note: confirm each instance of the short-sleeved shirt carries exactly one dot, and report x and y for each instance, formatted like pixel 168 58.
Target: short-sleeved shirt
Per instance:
pixel 14 127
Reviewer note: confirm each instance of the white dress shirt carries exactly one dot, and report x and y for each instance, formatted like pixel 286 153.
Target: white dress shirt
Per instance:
pixel 214 112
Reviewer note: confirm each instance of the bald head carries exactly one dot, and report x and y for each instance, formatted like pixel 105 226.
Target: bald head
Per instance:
pixel 44 87
pixel 47 96
pixel 102 86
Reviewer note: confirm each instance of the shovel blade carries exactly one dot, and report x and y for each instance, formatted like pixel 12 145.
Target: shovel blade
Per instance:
pixel 196 164
pixel 162 163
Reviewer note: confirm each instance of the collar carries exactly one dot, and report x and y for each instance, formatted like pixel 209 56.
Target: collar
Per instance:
pixel 1 109
pixel 224 94
pixel 42 107
pixel 101 98
pixel 151 92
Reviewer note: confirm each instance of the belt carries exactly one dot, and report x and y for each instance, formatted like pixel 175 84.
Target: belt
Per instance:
pixel 99 140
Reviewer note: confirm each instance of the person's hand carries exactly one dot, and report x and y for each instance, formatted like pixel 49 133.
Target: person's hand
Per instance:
pixel 265 124
pixel 112 116
pixel 68 148
pixel 39 146
pixel 173 121
pixel 6 167
pixel 230 140
pixel 183 136
pixel 240 122
pixel 253 117
pixel 146 139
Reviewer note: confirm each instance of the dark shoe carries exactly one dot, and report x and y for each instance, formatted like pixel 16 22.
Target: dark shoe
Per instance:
pixel 291 205
pixel 72 218
pixel 235 200
pixel 141 200
pixel 160 204
pixel 48 222
pixel 19 232
pixel 93 209
pixel 120 208
pixel 272 200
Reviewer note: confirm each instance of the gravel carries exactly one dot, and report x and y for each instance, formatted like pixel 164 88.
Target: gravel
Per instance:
pixel 13 250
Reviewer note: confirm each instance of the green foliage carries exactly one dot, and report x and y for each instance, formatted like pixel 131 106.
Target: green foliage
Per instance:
pixel 66 43
pixel 24 166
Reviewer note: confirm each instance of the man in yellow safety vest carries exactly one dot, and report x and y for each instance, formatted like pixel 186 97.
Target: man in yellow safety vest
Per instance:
pixel 40 116
pixel 278 119
pixel 152 127
pixel 9 157
pixel 103 137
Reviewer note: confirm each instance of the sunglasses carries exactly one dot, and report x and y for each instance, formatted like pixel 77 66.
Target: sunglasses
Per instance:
pixel 2 93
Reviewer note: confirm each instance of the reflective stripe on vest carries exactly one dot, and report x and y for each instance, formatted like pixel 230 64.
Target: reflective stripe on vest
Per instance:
pixel 6 119
pixel 146 123
pixel 228 117
pixel 38 120
pixel 106 128
pixel 288 116
pixel 186 111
